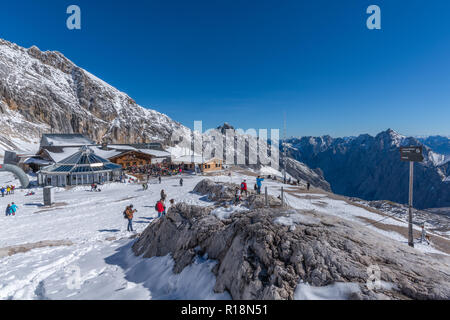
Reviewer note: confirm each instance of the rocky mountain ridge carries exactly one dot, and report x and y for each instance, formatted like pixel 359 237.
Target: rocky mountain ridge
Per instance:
pixel 369 167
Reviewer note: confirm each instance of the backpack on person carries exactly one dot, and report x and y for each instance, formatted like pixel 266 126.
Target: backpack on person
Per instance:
pixel 125 214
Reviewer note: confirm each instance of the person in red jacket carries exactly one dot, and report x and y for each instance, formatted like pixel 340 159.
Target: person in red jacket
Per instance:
pixel 161 208
pixel 244 187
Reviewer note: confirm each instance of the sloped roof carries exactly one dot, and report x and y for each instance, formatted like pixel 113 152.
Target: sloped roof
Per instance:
pixel 58 139
pixel 82 161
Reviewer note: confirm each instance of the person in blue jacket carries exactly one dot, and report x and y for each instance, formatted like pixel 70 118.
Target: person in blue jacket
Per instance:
pixel 259 181
pixel 13 209
pixel 8 210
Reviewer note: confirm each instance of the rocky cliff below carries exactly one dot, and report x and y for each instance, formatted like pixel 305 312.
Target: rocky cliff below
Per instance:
pixel 270 252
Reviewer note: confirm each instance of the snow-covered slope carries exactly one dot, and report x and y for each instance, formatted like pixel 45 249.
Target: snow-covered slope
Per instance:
pixel 43 90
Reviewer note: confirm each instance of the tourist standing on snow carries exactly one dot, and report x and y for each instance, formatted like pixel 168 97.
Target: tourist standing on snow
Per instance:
pixel 3 190
pixel 8 210
pixel 259 181
pixel 181 182
pixel 308 185
pixel 163 195
pixel 160 208
pixel 159 179
pixel 129 213
pixel 244 187
pixel 237 196
pixel 13 209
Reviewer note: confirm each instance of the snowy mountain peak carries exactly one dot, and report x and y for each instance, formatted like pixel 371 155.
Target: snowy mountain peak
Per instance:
pixel 44 89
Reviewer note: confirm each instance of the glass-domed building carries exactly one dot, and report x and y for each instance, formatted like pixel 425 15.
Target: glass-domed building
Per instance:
pixel 81 168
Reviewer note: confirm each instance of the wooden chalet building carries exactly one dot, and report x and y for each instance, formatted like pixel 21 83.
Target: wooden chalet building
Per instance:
pixel 132 158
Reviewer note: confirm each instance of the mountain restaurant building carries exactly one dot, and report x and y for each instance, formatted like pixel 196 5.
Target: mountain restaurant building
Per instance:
pixel 198 164
pixel 81 168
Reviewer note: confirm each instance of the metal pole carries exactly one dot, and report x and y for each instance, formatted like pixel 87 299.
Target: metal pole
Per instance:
pixel 410 227
pixel 282 197
pixel 267 200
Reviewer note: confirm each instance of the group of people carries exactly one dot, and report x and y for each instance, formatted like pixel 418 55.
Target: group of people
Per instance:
pixel 160 207
pixel 7 190
pixel 244 189
pixel 95 188
pixel 11 209
pixel 155 170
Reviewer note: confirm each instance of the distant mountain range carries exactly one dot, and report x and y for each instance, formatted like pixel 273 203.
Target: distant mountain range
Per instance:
pixel 438 144
pixel 370 168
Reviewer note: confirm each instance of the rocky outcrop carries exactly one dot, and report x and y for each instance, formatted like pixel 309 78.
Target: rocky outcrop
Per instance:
pixel 302 172
pixel 264 253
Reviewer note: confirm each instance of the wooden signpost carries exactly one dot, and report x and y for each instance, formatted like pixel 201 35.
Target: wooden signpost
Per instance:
pixel 411 154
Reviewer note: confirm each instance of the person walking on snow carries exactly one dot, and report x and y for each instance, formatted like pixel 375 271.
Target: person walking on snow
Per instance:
pixel 159 179
pixel 13 209
pixel 129 213
pixel 308 185
pixel 244 187
pixel 181 182
pixel 259 181
pixel 3 190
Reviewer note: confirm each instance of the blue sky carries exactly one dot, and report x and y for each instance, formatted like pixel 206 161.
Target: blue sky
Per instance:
pixel 248 62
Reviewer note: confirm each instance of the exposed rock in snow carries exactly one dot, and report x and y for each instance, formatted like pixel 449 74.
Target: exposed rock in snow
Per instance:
pixel 301 171
pixel 260 259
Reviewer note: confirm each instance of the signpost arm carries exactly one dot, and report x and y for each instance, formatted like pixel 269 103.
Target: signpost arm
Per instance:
pixel 410 227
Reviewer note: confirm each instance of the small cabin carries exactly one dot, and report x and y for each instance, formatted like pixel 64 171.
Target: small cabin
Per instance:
pixel 197 163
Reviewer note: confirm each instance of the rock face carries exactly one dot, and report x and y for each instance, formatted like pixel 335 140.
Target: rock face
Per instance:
pixel 262 256
pixel 370 168
pixel 301 171
pixel 49 91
